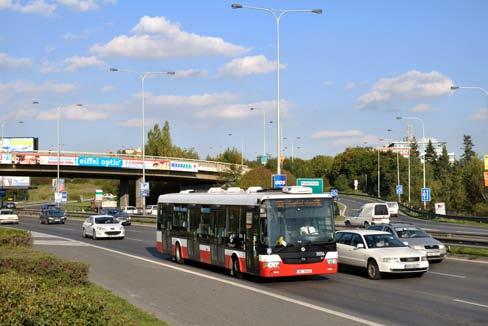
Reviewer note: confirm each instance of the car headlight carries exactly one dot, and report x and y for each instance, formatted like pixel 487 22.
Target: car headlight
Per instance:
pixel 99 228
pixel 391 260
pixel 423 258
pixel 272 264
pixel 417 247
pixel 441 246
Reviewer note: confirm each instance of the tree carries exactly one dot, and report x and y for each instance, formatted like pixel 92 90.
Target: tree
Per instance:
pixel 229 155
pixel 468 152
pixel 430 153
pixel 165 144
pixel 441 167
pixel 153 140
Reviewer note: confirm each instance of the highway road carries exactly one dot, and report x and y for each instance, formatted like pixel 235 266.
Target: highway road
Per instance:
pixel 454 292
pixel 353 204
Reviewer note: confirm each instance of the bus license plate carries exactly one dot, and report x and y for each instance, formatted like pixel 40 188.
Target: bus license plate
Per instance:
pixel 304 271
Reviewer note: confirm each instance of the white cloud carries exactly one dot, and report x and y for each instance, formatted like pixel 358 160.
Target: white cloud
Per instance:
pixel 242 110
pixel 250 65
pixel 337 134
pixel 412 85
pixel 191 100
pixel 481 115
pixel 73 113
pixel 190 73
pixel 71 64
pixel 159 38
pixel 47 87
pixel 32 7
pixel 80 5
pixel 421 108
pixel 8 62
pixel 107 89
pixel 137 123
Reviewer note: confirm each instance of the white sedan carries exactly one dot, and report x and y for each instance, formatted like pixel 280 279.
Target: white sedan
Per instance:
pixel 8 216
pixel 102 226
pixel 379 252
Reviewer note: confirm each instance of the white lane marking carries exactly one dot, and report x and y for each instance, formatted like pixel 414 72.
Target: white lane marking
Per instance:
pixel 134 239
pixel 242 286
pixel 450 275
pixel 59 243
pixel 468 260
pixel 471 303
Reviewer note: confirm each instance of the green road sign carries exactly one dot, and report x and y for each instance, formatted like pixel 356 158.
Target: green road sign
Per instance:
pixel 317 184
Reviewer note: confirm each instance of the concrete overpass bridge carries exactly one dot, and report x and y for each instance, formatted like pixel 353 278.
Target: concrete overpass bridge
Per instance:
pixel 122 167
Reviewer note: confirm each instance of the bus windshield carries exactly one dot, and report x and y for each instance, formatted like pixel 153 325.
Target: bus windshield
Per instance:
pixel 299 221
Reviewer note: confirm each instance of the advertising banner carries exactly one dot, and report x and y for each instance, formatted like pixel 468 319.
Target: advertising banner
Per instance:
pixel 6 159
pixel 150 164
pixel 102 162
pixel 486 162
pixel 183 166
pixel 15 182
pixel 278 181
pixel 486 179
pixel 18 144
pixel 26 159
pixel 53 160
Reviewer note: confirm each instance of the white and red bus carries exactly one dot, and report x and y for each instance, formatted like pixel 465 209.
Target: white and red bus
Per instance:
pixel 269 234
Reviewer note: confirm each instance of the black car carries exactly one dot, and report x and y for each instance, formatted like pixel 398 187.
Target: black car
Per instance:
pixel 9 205
pixel 53 215
pixel 121 216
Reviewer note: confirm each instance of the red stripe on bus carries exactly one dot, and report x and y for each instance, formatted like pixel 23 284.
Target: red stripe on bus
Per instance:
pixel 297 269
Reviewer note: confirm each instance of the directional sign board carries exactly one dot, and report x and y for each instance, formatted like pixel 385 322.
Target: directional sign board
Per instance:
pixel 317 184
pixel 399 189
pixel 278 181
pixel 263 159
pixel 144 189
pixel 99 195
pixel 64 196
pixel 3 193
pixel 334 192
pixel 425 194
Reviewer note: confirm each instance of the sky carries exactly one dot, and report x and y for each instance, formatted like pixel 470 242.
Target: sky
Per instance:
pixel 345 75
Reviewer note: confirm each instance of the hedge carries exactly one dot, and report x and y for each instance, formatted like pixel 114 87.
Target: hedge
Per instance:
pixel 15 238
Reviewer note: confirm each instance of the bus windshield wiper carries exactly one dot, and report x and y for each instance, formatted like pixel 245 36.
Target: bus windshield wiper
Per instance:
pixel 289 245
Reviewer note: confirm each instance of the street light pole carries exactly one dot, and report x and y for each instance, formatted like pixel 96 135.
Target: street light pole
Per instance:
pixel 379 180
pixel 143 77
pixel 277 14
pixel 453 88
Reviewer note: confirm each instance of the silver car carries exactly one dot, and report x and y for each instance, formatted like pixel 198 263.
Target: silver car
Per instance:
pixel 415 238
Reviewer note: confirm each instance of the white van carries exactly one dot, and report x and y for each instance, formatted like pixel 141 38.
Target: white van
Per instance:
pixel 370 214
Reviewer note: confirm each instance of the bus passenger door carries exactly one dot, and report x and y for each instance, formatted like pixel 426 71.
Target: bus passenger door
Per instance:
pixel 252 239
pixel 217 247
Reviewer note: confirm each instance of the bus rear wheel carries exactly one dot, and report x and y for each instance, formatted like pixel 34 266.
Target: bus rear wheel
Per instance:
pixel 178 258
pixel 235 269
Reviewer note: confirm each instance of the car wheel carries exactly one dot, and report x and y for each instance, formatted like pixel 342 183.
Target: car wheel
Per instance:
pixel 348 224
pixel 94 235
pixel 178 258
pixel 235 269
pixel 366 224
pixel 373 270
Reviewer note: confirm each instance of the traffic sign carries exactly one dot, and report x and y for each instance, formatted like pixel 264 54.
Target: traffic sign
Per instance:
pixel 3 193
pixel 263 159
pixel 425 194
pixel 64 196
pixel 278 181
pixel 317 184
pixel 58 197
pixel 144 189
pixel 99 195
pixel 334 192
pixel 399 189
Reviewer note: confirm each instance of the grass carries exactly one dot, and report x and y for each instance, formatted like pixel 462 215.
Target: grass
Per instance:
pixel 473 223
pixel 468 251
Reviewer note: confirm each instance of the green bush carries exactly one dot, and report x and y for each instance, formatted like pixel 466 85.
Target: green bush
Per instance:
pixel 15 238
pixel 61 272
pixel 480 209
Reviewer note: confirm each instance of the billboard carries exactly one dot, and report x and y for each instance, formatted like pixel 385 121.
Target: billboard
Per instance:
pixel 14 182
pixel 183 166
pixel 486 162
pixel 5 158
pixel 21 144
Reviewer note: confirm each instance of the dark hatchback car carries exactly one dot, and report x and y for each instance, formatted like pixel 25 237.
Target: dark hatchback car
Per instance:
pixel 53 215
pixel 121 216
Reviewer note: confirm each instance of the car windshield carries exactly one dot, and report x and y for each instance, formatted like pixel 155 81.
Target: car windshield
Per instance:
pixel 410 232
pixel 299 221
pixel 105 220
pixel 55 213
pixel 6 212
pixel 382 241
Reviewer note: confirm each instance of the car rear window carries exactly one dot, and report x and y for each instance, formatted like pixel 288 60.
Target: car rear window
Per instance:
pixel 6 212
pixel 380 210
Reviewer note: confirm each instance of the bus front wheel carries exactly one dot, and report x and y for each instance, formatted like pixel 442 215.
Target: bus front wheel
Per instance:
pixel 178 258
pixel 235 269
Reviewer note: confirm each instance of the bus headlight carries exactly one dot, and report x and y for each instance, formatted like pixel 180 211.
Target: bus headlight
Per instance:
pixel 332 261
pixel 272 264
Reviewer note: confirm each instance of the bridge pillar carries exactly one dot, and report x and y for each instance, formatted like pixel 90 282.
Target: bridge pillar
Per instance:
pixel 138 193
pixel 124 192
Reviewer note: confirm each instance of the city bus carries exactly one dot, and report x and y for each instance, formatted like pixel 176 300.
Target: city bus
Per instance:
pixel 264 233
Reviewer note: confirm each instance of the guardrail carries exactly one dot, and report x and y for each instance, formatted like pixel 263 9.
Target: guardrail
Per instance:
pixel 425 214
pixel 82 215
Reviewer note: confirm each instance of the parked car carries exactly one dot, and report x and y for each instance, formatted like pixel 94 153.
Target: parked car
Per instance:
pixel 151 210
pixel 53 215
pixel 9 205
pixel 8 216
pixel 415 238
pixel 369 214
pixel 130 210
pixel 379 252
pixel 102 226
pixel 393 208
pixel 121 216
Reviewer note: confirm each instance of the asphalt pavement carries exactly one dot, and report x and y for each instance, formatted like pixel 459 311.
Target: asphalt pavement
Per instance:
pixel 454 292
